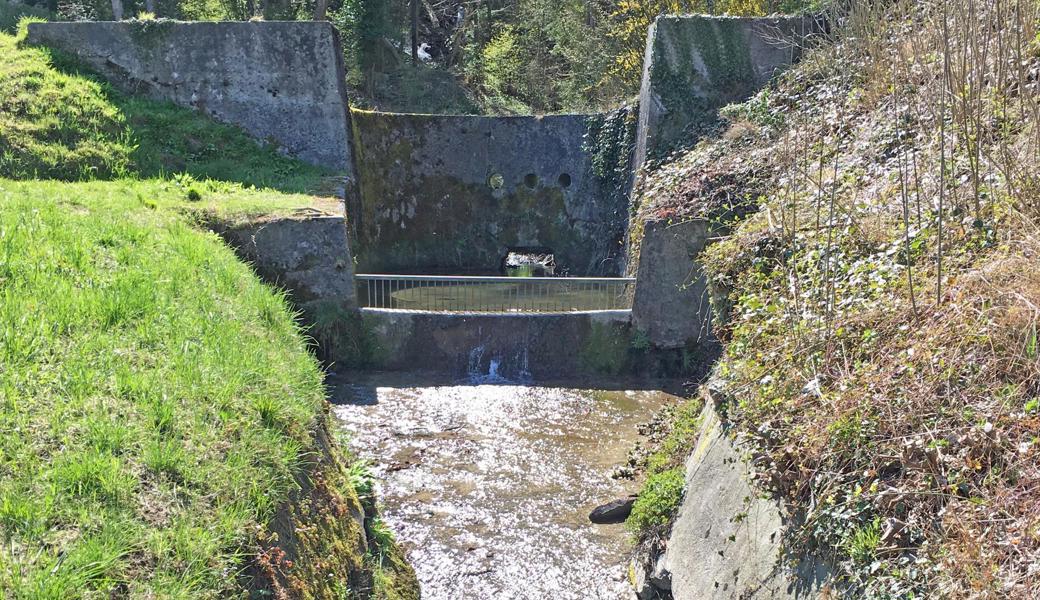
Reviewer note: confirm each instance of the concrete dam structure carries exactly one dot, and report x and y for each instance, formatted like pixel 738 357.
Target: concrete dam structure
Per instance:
pixel 447 192
pixel 442 194
pixel 401 286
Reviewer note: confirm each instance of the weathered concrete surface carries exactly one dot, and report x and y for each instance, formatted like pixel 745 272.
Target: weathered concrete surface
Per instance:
pixel 512 346
pixel 696 64
pixel 282 82
pixel 443 193
pixel 307 254
pixel 726 539
pixel 671 301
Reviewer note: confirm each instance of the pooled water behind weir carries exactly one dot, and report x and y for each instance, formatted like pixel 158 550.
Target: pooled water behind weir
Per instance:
pixel 488 487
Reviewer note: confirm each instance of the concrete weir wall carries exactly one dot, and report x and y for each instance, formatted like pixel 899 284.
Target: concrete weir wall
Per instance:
pixel 671 299
pixel 512 346
pixel 455 193
pixel 280 81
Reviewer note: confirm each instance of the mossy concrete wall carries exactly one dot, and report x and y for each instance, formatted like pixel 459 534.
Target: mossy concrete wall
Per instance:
pixel 513 346
pixel 441 193
pixel 696 64
pixel 282 82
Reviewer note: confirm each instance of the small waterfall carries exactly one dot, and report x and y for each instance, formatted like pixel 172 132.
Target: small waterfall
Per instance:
pixel 476 356
pixel 524 373
pixel 478 377
pixel 495 368
pixel 501 367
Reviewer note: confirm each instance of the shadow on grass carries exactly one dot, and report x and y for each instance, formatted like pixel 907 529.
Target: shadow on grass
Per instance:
pixel 167 139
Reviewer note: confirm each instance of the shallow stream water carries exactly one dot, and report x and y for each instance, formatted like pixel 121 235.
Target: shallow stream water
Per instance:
pixel 488 485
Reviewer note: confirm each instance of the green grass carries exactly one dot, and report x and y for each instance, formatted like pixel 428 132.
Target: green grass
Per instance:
pixel 156 400
pixel 658 501
pixel 155 397
pixel 662 492
pixel 58 121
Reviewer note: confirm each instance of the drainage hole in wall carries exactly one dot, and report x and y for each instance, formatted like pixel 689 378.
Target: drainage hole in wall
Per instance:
pixel 531 180
pixel 564 180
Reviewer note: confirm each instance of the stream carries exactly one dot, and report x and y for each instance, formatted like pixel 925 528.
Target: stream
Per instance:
pixel 488 485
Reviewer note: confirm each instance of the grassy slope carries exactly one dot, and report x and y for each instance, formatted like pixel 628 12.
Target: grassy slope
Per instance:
pixel 158 405
pixel 57 122
pixel 899 421
pixel 156 397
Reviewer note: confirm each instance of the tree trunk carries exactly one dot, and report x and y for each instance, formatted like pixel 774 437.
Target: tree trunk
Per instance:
pixel 117 10
pixel 415 32
pixel 320 8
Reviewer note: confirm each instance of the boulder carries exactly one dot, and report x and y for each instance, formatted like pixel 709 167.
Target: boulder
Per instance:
pixel 612 512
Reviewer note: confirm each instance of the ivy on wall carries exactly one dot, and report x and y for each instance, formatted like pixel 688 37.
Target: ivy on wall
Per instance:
pixel 609 141
pixel 699 65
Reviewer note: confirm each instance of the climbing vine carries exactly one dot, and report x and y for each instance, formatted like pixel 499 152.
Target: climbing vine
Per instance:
pixel 609 141
pixel 690 92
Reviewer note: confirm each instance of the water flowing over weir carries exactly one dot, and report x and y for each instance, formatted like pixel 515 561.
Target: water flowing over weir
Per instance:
pixel 488 483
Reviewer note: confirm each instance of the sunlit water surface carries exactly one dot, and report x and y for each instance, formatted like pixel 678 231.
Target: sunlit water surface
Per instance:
pixel 488 487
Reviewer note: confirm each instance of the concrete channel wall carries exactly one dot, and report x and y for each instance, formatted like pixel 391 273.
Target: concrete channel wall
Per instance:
pixel 671 302
pixel 282 82
pixel 445 193
pixel 308 255
pixel 727 541
pixel 695 64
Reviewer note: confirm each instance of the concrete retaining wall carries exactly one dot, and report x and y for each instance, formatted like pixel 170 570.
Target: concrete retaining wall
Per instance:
pixel 697 64
pixel 727 538
pixel 282 82
pixel 671 304
pixel 444 193
pixel 307 255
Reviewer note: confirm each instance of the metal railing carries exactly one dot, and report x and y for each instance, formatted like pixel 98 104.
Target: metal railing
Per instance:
pixel 495 294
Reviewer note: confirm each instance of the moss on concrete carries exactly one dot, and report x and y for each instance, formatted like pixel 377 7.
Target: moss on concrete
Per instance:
pixel 318 546
pixel 699 65
pixel 605 349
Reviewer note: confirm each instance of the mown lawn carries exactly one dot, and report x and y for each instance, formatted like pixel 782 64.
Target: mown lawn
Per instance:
pixel 155 397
